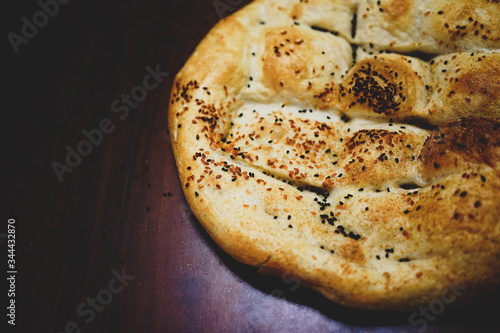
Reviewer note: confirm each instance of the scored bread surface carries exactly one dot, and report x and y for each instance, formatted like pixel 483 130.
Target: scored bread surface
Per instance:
pixel 354 145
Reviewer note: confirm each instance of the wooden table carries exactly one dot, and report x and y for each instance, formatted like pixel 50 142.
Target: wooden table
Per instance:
pixel 113 247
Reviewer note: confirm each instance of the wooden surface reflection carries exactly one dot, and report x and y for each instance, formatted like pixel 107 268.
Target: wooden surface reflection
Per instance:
pixel 121 209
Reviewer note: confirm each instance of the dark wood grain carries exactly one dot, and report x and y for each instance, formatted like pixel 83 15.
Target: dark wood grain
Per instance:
pixel 122 208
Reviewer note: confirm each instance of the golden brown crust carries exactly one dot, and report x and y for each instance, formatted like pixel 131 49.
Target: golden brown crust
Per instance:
pixel 429 26
pixel 459 144
pixel 466 82
pixel 300 154
pixel 389 85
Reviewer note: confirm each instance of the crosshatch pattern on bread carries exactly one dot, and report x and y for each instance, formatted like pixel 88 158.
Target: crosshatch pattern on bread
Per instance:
pixel 353 144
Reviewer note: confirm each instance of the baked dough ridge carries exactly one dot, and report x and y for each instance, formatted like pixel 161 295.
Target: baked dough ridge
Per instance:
pixel 305 148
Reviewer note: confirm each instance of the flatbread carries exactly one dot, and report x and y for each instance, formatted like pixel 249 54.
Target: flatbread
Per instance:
pixel 354 145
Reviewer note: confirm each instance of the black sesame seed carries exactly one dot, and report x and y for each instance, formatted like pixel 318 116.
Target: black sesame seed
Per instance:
pixel 354 236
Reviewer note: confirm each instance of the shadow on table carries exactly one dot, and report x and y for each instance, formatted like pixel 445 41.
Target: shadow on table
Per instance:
pixel 483 315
